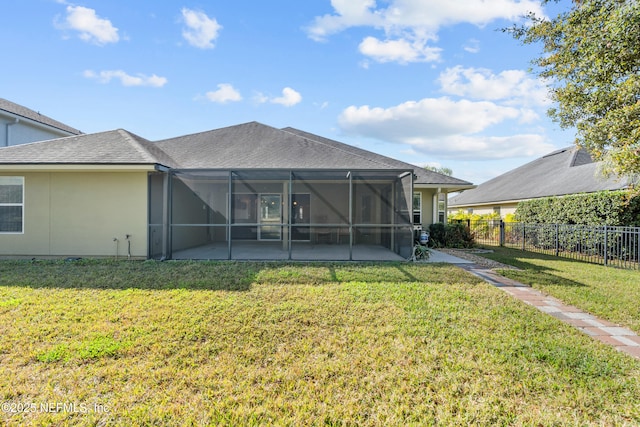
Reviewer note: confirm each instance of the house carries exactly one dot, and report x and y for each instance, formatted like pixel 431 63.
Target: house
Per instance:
pixel 249 191
pixel 20 125
pixel 567 171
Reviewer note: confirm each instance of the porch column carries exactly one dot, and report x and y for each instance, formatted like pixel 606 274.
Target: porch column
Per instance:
pixel 167 189
pixel 286 218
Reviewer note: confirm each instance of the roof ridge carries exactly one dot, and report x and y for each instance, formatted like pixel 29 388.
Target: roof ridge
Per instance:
pixel 209 131
pixel 341 149
pixel 133 140
pixel 147 148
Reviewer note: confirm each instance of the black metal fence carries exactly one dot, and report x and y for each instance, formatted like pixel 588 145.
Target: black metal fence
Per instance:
pixel 606 245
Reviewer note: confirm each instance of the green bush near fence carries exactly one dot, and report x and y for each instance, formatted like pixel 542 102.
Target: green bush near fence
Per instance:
pixel 454 235
pixel 616 208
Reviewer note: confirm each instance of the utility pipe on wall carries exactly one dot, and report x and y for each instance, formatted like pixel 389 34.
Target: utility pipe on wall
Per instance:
pixel 128 236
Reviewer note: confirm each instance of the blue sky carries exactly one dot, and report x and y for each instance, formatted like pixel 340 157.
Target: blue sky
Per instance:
pixel 430 82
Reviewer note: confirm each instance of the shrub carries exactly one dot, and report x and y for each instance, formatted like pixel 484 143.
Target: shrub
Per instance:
pixel 455 235
pixel 601 208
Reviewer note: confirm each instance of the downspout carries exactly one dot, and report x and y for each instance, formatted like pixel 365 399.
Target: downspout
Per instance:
pixel 8 134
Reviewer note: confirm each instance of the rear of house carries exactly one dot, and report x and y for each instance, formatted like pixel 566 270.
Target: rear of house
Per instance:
pixel 244 192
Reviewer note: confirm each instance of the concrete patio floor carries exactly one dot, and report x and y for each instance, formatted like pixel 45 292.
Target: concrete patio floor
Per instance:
pixel 302 251
pixel 274 251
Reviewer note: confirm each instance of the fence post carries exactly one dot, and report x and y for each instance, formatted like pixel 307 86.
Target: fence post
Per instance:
pixel 501 233
pixel 638 251
pixel 524 235
pixel 557 240
pixel 606 246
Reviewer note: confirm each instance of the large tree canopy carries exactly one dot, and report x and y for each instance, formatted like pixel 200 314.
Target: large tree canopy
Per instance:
pixel 591 56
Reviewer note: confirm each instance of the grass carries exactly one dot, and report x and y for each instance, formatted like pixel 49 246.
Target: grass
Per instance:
pixel 181 343
pixel 607 292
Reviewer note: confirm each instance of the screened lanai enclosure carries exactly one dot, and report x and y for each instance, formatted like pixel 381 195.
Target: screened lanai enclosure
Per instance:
pixel 281 214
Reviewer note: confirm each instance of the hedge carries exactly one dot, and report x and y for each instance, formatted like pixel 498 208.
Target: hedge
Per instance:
pixel 454 235
pixel 615 208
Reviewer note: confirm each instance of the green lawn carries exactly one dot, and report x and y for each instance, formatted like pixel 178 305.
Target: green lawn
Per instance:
pixel 185 343
pixel 607 292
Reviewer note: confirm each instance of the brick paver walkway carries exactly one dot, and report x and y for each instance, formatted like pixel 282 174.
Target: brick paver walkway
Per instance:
pixel 609 333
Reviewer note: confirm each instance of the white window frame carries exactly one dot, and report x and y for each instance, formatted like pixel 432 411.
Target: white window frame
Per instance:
pixel 419 210
pixel 21 204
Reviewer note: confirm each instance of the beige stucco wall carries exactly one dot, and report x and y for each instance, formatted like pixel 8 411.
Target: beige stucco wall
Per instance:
pixel 427 205
pixel 505 209
pixel 80 213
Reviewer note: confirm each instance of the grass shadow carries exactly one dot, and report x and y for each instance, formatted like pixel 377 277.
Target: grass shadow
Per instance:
pixel 529 272
pixel 410 277
pixel 122 274
pixel 236 276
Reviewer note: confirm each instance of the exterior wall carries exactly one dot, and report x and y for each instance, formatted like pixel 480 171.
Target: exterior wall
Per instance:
pixel 505 209
pixel 12 133
pixel 80 214
pixel 427 205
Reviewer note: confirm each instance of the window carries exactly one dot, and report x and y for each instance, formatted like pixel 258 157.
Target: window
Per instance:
pixel 11 204
pixel 442 197
pixel 417 208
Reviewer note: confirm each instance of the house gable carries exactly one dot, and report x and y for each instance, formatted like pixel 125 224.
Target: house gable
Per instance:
pixel 21 125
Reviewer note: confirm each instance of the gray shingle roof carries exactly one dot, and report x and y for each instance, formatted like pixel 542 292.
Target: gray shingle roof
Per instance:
pixel 246 146
pixel 112 147
pixel 423 176
pixel 566 171
pixel 19 110
pixel 254 145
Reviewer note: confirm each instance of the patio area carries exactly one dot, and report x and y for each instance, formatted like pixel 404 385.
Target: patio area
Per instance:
pixel 300 251
pixel 303 251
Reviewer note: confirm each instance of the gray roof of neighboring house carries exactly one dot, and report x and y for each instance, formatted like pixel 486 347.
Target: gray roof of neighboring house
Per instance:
pixel 423 176
pixel 111 147
pixel 567 171
pixel 19 110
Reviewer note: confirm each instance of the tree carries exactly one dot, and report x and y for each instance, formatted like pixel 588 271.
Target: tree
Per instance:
pixel 591 57
pixel 443 170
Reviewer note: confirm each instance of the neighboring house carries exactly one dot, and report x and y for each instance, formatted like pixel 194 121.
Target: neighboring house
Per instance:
pixel 20 125
pixel 243 192
pixel 567 171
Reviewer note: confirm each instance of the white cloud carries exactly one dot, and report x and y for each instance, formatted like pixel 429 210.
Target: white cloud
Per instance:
pixel 411 23
pixel 436 117
pixel 260 98
pixel 444 127
pixel 401 50
pixel 91 27
pixel 225 93
pixel 486 147
pixel 349 13
pixel 126 79
pixel 480 83
pixel 472 46
pixel 289 98
pixel 200 30
pixel 421 15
